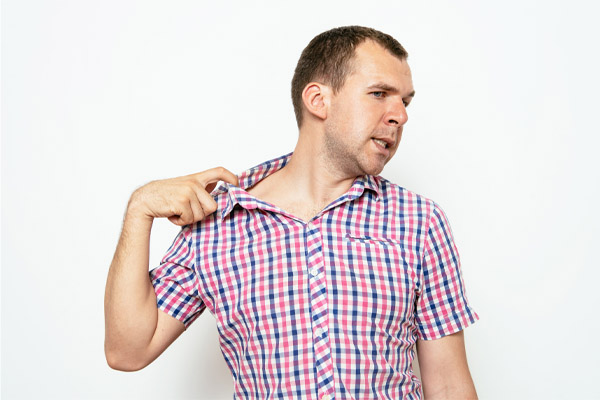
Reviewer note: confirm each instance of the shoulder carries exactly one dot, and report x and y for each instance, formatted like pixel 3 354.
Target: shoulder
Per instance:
pixel 412 208
pixel 394 195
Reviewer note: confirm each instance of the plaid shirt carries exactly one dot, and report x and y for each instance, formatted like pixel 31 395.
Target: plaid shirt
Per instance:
pixel 329 309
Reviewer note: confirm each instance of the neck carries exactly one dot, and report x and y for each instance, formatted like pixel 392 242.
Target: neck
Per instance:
pixel 311 175
pixel 307 183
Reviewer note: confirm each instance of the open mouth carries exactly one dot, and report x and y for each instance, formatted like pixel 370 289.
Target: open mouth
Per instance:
pixel 381 143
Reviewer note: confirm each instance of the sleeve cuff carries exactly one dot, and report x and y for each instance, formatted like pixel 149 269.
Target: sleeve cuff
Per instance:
pixel 451 324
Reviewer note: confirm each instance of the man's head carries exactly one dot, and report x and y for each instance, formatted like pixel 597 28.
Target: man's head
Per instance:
pixel 328 59
pixel 352 113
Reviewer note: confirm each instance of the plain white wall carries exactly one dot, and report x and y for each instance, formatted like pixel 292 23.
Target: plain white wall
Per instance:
pixel 101 97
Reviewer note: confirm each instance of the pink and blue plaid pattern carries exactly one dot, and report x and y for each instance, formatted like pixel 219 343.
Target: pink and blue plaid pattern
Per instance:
pixel 332 307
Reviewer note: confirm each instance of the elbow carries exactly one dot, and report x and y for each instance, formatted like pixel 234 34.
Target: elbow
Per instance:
pixel 124 361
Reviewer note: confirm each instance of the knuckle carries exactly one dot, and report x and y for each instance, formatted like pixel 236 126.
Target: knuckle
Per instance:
pixel 198 185
pixel 219 170
pixel 181 200
pixel 187 216
pixel 211 208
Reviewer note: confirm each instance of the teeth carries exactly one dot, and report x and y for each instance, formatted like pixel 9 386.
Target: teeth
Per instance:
pixel 381 142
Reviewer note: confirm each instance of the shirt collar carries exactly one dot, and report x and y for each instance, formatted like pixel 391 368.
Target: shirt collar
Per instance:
pixel 250 177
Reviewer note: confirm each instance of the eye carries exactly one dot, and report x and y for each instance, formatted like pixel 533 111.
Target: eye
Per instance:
pixel 378 95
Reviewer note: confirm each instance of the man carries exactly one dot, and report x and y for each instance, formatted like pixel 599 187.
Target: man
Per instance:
pixel 322 276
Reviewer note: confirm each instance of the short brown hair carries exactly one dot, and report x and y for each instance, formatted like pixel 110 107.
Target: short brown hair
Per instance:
pixel 328 59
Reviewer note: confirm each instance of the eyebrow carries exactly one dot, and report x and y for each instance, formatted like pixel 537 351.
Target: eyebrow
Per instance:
pixel 388 88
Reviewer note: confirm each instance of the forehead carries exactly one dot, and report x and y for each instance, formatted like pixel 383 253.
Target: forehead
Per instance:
pixel 373 62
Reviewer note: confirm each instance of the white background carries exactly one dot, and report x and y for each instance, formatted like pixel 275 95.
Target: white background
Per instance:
pixel 101 97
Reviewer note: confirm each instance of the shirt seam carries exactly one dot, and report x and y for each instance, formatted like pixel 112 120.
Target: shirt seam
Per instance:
pixel 425 248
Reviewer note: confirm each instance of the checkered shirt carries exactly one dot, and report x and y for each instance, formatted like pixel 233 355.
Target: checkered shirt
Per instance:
pixel 325 309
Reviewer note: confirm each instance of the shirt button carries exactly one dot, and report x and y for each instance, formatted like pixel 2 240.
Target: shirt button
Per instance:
pixel 326 397
pixel 314 272
pixel 319 331
pixel 311 225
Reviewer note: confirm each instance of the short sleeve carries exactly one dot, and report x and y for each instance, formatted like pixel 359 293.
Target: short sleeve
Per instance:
pixel 175 281
pixel 442 307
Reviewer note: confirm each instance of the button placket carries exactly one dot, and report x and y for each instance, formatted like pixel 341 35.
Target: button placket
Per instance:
pixel 319 309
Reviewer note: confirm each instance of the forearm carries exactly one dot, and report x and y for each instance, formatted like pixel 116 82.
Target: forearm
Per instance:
pixel 130 301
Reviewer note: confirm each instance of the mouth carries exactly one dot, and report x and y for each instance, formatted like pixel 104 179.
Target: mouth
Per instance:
pixel 383 142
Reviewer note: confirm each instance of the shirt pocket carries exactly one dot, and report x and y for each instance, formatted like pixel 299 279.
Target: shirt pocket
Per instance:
pixel 388 256
pixel 374 272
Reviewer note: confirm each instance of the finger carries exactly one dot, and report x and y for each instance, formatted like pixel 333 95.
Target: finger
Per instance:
pixel 185 215
pixel 175 219
pixel 197 209
pixel 217 174
pixel 209 205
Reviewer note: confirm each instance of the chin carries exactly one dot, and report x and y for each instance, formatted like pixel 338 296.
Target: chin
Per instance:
pixel 373 169
pixel 376 172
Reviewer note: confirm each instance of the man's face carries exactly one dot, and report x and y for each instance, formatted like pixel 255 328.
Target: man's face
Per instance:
pixel 364 122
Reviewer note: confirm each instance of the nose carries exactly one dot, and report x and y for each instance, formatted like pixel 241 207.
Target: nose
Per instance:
pixel 397 115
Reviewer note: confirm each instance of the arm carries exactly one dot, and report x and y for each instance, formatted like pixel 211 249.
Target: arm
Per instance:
pixel 136 332
pixel 444 370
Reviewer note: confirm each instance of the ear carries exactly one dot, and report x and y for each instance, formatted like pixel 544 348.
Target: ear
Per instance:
pixel 315 97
